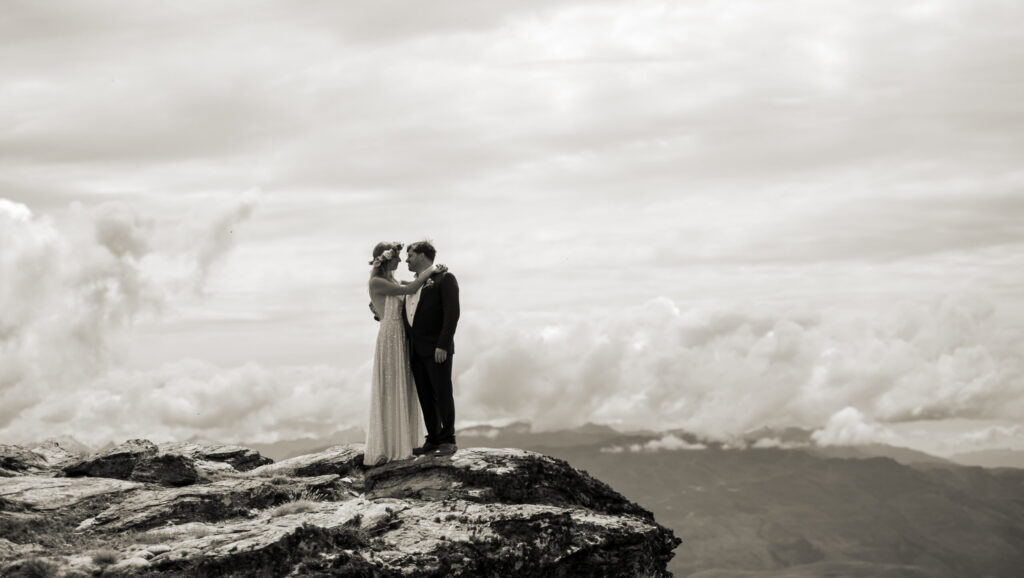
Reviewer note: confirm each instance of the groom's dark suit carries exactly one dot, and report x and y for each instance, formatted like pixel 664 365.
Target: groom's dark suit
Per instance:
pixel 433 327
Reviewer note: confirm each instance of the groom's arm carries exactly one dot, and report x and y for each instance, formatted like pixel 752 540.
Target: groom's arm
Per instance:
pixel 450 307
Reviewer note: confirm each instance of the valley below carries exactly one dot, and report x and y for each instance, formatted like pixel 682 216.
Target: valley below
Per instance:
pixel 804 511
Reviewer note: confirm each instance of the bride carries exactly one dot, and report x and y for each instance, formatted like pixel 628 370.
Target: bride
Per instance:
pixel 394 425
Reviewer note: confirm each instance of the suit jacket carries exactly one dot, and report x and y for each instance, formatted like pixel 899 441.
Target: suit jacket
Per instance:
pixel 437 315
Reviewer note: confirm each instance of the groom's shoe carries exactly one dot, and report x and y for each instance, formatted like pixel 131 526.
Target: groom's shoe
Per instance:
pixel 426 449
pixel 445 450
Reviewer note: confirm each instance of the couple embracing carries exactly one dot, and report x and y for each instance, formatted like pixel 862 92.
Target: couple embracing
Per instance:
pixel 413 357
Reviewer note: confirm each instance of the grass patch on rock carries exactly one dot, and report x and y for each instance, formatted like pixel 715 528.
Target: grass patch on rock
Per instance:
pixel 304 502
pixel 106 557
pixel 296 507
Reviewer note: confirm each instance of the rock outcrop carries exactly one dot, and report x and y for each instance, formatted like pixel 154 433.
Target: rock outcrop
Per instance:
pixel 40 458
pixel 138 460
pixel 61 451
pixel 480 512
pixel 17 461
pixel 240 458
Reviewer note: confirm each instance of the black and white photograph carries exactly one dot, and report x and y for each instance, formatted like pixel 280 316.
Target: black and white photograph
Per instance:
pixel 692 288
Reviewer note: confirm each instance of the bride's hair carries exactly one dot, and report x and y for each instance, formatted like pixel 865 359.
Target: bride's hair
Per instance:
pixel 384 253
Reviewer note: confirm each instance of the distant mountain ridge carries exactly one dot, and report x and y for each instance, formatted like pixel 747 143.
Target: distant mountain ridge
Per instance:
pixel 521 432
pixel 789 435
pixel 1002 458
pixel 285 449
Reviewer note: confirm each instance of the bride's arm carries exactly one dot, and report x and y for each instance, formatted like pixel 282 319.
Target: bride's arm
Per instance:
pixel 383 286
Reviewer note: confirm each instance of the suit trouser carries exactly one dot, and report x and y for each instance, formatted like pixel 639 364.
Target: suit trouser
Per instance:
pixel 434 388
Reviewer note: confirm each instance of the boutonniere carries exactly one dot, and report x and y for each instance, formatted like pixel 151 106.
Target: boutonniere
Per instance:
pixel 429 283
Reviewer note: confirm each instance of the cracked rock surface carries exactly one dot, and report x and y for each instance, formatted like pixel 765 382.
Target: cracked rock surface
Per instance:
pixel 479 512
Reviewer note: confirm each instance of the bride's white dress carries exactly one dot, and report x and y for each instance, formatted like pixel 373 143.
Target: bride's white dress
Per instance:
pixel 394 408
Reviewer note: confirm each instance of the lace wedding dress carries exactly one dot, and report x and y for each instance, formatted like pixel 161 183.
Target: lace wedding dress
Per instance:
pixel 394 425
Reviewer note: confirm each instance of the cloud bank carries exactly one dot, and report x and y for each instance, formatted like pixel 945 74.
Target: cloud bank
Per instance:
pixel 72 290
pixel 668 442
pixel 176 401
pixel 993 437
pixel 720 373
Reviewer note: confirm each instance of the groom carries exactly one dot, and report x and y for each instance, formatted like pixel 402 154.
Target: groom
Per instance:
pixel 431 315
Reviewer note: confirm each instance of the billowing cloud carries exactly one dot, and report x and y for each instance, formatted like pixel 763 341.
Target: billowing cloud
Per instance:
pixel 69 293
pixel 219 236
pixel 120 230
pixel 69 296
pixel 720 373
pixel 63 294
pixel 849 427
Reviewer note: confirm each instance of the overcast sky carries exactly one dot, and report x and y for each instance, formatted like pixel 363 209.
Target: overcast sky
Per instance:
pixel 715 215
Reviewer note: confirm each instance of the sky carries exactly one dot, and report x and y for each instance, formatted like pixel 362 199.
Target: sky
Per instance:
pixel 711 215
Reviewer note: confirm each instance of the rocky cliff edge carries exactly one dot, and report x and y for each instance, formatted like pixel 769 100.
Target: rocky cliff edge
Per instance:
pixel 142 509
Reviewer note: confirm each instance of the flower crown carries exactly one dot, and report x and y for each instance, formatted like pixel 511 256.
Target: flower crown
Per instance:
pixel 387 255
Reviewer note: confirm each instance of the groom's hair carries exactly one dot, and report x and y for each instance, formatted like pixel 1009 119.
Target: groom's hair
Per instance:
pixel 424 248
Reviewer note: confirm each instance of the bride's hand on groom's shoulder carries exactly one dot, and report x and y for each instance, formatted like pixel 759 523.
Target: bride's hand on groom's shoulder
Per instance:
pixel 440 268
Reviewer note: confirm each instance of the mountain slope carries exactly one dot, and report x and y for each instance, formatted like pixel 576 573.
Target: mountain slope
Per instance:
pixel 991 458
